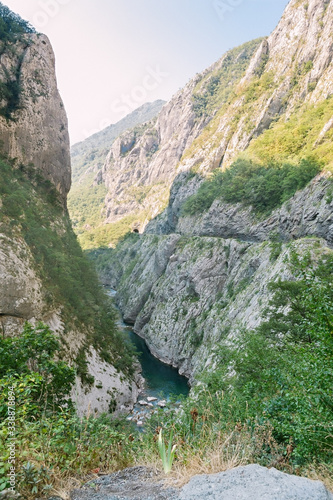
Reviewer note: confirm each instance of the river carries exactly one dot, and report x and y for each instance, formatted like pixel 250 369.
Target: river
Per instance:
pixel 161 380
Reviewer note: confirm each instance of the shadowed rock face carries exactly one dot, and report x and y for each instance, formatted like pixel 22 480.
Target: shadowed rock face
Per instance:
pixel 191 283
pixel 37 133
pixel 295 60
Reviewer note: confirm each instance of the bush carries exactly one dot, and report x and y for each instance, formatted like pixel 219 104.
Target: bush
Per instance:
pixel 283 371
pixel 27 363
pixel 262 187
pixel 218 86
pixel 70 281
pixel 297 137
pixel 50 440
pixel 12 25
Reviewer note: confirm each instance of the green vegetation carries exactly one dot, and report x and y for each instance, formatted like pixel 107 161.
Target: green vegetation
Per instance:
pixel 30 209
pixel 105 258
pixel 12 29
pixel 220 103
pixel 258 86
pixel 85 204
pixel 86 198
pixel 12 26
pixel 274 407
pixel 262 187
pixel 10 94
pixel 108 234
pixel 218 86
pixel 298 137
pixel 29 360
pixel 269 397
pixel 167 454
pixel 283 370
pixel 51 441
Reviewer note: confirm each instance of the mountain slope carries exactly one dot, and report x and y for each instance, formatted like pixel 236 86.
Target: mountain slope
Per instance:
pixel 92 151
pixel 291 72
pixel 142 164
pixel 269 98
pixel 86 198
pixel 202 269
pixel 44 275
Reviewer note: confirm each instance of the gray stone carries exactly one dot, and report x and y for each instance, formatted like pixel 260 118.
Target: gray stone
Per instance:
pixel 251 482
pixel 37 137
pixel 254 482
pixel 39 134
pixel 9 495
pixel 136 483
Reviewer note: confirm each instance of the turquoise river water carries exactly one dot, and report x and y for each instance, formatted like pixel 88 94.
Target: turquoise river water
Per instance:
pixel 161 380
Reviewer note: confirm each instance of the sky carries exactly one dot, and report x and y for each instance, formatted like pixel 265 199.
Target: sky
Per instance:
pixel 112 56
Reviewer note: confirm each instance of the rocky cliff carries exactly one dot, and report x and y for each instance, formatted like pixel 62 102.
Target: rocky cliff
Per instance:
pixel 292 68
pixel 86 197
pixel 187 292
pixel 193 280
pixel 221 112
pixel 36 132
pixel 142 163
pixel 44 275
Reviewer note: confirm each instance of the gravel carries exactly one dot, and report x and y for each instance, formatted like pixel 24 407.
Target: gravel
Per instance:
pixel 251 482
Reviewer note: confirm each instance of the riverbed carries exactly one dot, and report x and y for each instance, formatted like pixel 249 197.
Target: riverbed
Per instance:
pixel 161 381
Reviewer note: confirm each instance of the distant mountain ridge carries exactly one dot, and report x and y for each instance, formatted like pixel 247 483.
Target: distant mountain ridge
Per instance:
pixel 201 270
pixel 86 198
pixel 99 144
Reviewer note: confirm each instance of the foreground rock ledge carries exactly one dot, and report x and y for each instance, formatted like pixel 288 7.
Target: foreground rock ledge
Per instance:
pixel 251 482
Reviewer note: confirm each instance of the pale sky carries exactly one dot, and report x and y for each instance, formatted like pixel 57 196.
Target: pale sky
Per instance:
pixel 112 56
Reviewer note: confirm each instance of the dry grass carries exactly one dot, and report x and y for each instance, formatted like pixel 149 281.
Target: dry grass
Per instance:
pixel 321 472
pixel 228 452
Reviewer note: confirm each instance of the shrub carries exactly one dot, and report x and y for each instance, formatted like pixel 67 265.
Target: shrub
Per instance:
pixel 218 86
pixel 262 187
pixel 12 25
pixel 296 137
pixel 70 281
pixel 27 363
pixel 283 372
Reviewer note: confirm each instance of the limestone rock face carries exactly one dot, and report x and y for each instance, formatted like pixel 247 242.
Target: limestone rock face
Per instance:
pixel 23 298
pixel 21 295
pixel 37 133
pixel 308 213
pixel 141 163
pixel 191 283
pixel 296 60
pixel 210 289
pixel 197 281
pixel 289 69
pixel 109 394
